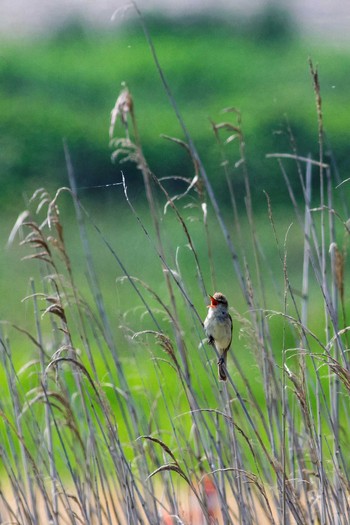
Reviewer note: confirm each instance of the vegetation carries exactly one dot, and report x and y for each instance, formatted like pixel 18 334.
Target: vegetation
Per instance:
pixel 64 87
pixel 110 407
pixel 111 410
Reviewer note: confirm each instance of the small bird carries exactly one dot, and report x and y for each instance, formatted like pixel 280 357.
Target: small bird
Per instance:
pixel 218 329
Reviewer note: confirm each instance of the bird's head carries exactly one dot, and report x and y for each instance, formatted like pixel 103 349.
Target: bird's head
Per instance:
pixel 217 299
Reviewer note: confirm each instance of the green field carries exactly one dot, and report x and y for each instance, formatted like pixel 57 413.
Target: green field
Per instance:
pixel 67 86
pixel 109 390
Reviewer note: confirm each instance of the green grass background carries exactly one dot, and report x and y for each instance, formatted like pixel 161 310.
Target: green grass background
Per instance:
pixel 66 86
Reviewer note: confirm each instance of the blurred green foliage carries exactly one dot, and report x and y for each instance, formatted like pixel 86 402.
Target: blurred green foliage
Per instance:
pixel 66 86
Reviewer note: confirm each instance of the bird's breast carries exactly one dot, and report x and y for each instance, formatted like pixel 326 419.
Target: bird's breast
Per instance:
pixel 220 329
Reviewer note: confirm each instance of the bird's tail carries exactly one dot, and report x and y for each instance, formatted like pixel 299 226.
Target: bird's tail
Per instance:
pixel 222 367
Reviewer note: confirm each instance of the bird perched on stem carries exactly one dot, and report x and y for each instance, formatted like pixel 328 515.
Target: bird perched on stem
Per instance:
pixel 218 329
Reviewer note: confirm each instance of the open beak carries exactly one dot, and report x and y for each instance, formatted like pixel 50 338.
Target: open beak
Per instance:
pixel 213 302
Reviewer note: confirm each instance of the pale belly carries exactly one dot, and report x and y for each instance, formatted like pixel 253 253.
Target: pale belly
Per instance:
pixel 220 331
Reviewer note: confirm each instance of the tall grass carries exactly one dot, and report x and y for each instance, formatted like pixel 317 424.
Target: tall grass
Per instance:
pixel 129 424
